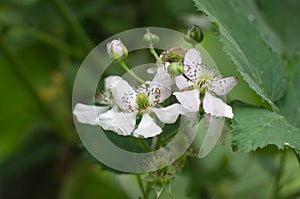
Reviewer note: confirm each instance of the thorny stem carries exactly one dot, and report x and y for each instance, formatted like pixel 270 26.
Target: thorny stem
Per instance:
pixel 73 24
pixel 18 68
pixel 126 68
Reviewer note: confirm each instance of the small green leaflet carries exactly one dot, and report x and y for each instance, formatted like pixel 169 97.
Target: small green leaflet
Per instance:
pixel 258 64
pixel 256 128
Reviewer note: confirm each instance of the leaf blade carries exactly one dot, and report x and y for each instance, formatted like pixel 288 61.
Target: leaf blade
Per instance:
pixel 260 67
pixel 256 128
pixel 289 105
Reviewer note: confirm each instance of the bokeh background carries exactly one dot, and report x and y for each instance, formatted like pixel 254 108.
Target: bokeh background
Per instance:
pixel 42 44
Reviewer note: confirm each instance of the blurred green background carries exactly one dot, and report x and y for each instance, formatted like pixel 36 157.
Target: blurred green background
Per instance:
pixel 42 44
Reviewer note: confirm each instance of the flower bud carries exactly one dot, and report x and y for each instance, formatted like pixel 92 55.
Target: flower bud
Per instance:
pixel 176 68
pixel 150 37
pixel 173 55
pixel 116 50
pixel 194 34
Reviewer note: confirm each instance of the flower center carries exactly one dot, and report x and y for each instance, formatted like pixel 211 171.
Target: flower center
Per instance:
pixel 203 81
pixel 104 97
pixel 142 101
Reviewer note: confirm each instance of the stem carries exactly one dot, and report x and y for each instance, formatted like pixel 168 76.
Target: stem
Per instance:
pixel 17 67
pixel 126 68
pixel 138 176
pixel 144 144
pixel 51 41
pixel 73 24
pixel 153 52
pixel 148 190
pixel 172 135
pixel 169 137
pixel 158 142
pixel 154 143
pixel 277 186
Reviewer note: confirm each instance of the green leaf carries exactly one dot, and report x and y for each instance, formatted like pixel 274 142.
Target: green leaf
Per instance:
pixel 256 128
pixel 285 23
pixel 242 92
pixel 251 10
pixel 260 67
pixel 290 104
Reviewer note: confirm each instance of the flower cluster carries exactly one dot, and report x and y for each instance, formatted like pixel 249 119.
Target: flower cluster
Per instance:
pixel 136 111
pixel 202 80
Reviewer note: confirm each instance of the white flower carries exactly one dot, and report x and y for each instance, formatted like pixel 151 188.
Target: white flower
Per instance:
pixel 143 102
pixel 88 114
pixel 116 49
pixel 203 80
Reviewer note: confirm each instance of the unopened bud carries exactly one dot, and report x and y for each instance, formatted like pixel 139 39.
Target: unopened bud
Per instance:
pixel 176 68
pixel 116 50
pixel 150 37
pixel 194 34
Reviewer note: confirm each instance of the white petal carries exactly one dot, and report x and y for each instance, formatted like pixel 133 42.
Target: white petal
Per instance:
pixel 158 93
pixel 192 64
pixel 182 82
pixel 223 86
pixel 162 77
pixel 88 114
pixel 111 81
pixel 216 106
pixel 166 66
pixel 115 46
pixel 168 114
pixel 214 130
pixel 147 127
pixel 162 81
pixel 189 100
pixel 121 123
pixel 159 89
pixel 124 95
